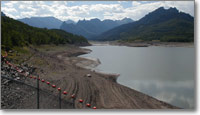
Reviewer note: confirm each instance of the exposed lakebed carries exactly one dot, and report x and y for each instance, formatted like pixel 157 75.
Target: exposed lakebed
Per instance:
pixel 166 73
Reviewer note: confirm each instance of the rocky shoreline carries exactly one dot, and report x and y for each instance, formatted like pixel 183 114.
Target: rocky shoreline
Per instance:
pixel 11 93
pixel 145 44
pixel 58 64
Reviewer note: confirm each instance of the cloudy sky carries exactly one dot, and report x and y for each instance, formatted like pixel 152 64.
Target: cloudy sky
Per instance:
pixel 77 10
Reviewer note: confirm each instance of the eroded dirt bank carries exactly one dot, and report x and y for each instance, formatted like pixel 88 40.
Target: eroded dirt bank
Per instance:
pixel 58 65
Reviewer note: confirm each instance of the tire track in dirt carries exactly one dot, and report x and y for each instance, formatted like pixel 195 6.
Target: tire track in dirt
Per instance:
pixel 100 90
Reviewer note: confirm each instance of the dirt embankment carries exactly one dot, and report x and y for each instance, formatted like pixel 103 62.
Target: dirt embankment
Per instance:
pixel 58 66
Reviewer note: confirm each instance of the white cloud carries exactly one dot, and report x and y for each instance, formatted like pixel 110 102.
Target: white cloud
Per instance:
pixel 135 3
pixel 63 11
pixel 140 9
pixel 11 3
pixel 8 10
pixel 28 14
pixel 21 7
pixel 105 7
pixel 27 2
pixel 184 6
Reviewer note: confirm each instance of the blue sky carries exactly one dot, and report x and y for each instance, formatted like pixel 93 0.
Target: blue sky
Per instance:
pixel 79 10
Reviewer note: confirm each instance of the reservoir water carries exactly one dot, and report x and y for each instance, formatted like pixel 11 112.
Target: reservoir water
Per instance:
pixel 166 73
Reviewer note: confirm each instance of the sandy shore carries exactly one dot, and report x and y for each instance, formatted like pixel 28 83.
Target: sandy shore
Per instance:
pixel 60 65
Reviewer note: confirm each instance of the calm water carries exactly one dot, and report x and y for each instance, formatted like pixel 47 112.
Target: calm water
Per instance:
pixel 166 73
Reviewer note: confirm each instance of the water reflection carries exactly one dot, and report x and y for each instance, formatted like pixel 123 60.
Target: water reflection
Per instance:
pixel 166 73
pixel 177 93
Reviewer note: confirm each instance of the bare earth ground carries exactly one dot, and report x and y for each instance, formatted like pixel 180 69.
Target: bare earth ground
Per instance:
pixel 57 64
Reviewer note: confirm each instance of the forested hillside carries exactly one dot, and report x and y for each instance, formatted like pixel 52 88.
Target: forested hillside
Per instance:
pixel 15 33
pixel 167 25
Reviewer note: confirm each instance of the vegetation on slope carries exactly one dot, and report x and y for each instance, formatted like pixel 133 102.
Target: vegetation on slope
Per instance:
pixel 17 34
pixel 163 25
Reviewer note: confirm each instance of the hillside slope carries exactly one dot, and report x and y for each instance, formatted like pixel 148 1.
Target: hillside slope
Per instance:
pixel 16 33
pixel 167 25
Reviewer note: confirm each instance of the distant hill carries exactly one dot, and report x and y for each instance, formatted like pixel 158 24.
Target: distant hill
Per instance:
pixel 93 27
pixel 124 21
pixel 69 22
pixel 42 22
pixel 168 25
pixel 15 33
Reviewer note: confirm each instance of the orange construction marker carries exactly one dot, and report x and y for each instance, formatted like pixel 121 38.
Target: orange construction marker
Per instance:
pixel 53 86
pixel 64 92
pixel 48 83
pixel 88 105
pixel 72 96
pixel 80 100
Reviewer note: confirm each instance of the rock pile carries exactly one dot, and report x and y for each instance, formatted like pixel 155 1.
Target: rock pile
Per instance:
pixel 10 90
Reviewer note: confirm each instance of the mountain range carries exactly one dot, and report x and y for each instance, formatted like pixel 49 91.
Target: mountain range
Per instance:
pixel 168 25
pixel 86 28
pixel 15 33
pixel 70 22
pixel 42 22
pixel 92 28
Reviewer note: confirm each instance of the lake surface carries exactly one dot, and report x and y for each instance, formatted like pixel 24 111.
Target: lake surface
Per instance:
pixel 166 73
